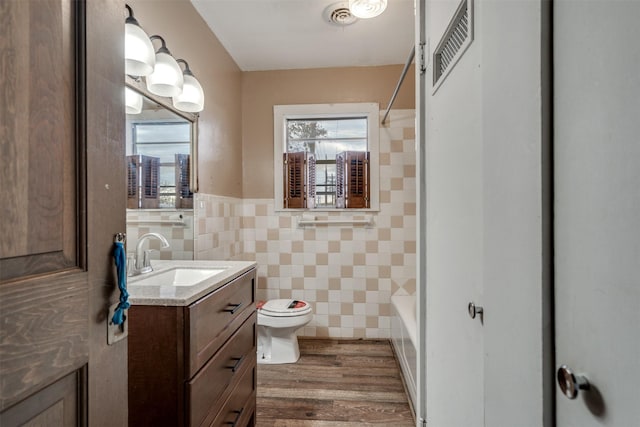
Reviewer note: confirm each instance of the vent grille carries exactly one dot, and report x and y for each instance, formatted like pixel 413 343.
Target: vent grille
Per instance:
pixel 456 39
pixel 339 14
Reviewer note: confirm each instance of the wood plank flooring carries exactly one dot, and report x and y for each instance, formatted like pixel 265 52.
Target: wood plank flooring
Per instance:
pixel 335 383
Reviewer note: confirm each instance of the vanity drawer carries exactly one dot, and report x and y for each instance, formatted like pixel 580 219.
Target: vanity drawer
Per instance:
pixel 213 319
pixel 206 391
pixel 239 409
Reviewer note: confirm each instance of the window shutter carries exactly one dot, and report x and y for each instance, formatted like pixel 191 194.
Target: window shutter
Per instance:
pixel 143 182
pixel 133 195
pixel 352 171
pixel 150 182
pixel 184 196
pixel 340 181
pixel 294 176
pixel 311 181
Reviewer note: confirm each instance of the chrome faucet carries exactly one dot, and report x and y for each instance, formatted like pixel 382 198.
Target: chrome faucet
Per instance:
pixel 142 260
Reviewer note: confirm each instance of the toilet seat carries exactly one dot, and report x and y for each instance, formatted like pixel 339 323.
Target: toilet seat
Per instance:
pixel 284 308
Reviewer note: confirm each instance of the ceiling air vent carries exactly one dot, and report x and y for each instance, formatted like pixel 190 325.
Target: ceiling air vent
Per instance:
pixel 454 42
pixel 339 14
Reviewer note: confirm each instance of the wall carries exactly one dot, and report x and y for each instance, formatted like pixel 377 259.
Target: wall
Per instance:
pixel 261 90
pixel 217 227
pixel 219 127
pixel 219 133
pixel 347 273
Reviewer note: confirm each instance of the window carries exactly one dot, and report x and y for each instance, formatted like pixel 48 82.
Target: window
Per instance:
pixel 168 144
pixel 326 156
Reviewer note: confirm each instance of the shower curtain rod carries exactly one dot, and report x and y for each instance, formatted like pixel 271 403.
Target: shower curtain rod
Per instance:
pixel 404 73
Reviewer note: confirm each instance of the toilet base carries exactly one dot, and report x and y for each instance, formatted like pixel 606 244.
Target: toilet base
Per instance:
pixel 277 345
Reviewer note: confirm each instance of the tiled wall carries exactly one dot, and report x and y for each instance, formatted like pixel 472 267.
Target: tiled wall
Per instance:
pixel 218 234
pixel 348 273
pixel 176 226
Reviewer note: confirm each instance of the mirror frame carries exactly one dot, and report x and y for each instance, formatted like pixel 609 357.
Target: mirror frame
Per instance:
pixel 136 84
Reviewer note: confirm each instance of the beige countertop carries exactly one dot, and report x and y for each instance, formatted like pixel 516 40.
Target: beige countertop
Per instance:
pixel 150 294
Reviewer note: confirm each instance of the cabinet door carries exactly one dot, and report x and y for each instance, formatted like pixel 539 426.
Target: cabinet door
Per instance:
pixel 207 391
pixel 213 319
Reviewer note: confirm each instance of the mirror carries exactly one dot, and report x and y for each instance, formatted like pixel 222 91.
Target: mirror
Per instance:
pixel 161 159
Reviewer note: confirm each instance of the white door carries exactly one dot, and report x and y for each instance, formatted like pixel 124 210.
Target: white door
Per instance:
pixel 597 210
pixel 454 231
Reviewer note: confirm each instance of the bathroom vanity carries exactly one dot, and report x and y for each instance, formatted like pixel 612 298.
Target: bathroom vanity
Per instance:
pixel 192 345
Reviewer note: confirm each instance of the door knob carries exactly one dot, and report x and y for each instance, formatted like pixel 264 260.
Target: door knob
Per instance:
pixel 571 383
pixel 474 310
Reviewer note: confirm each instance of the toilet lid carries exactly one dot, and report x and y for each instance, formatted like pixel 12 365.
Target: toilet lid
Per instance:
pixel 284 307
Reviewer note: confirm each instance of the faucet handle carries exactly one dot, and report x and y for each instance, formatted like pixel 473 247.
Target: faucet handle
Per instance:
pixel 146 260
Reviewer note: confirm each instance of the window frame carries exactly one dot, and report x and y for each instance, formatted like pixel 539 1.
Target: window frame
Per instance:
pixel 282 113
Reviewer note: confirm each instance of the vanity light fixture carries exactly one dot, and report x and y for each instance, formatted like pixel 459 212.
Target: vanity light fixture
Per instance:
pixel 133 101
pixel 162 72
pixel 191 99
pixel 139 55
pixel 166 79
pixel 367 8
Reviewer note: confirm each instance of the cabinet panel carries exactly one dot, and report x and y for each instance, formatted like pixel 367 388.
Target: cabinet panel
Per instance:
pixel 239 409
pixel 206 392
pixel 213 319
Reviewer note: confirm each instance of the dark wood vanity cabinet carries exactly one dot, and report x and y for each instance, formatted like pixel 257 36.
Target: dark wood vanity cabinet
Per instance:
pixel 195 365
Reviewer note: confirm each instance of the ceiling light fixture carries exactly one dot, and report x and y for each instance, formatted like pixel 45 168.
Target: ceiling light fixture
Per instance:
pixel 166 79
pixel 139 55
pixel 367 8
pixel 191 99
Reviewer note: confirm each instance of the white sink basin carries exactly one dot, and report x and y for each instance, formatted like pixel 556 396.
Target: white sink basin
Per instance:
pixel 179 276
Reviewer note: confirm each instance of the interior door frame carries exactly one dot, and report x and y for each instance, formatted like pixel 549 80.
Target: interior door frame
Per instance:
pixel 421 200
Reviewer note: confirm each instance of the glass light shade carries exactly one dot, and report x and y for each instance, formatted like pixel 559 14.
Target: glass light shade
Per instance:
pixel 166 79
pixel 367 8
pixel 191 99
pixel 133 101
pixel 139 54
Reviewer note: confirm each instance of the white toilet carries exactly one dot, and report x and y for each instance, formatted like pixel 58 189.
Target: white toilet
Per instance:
pixel 278 321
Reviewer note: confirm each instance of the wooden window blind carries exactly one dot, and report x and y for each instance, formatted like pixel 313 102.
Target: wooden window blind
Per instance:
pixel 311 181
pixel 352 180
pixel 184 196
pixel 143 182
pixel 294 180
pixel 133 190
pixel 150 196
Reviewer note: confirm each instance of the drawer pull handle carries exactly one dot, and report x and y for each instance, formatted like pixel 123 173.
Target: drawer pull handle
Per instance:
pixel 234 309
pixel 235 421
pixel 235 367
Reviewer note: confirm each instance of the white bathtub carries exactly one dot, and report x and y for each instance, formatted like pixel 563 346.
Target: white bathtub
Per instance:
pixel 404 339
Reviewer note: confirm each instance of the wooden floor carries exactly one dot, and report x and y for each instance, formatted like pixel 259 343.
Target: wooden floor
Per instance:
pixel 335 383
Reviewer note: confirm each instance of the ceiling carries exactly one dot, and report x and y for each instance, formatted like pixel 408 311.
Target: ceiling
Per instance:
pixel 289 34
